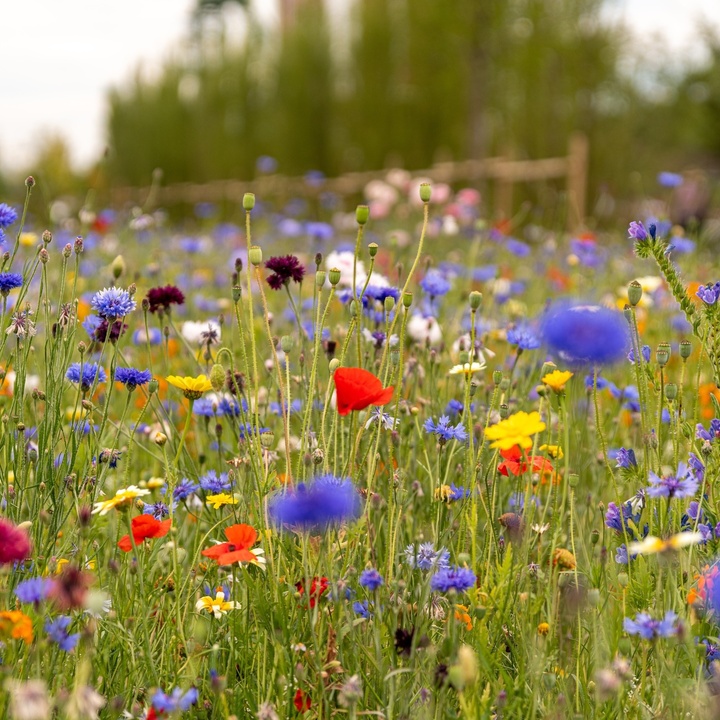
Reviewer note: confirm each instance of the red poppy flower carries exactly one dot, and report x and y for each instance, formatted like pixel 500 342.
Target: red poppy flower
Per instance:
pixel 515 464
pixel 240 539
pixel 318 586
pixel 143 527
pixel 358 388
pixel 302 701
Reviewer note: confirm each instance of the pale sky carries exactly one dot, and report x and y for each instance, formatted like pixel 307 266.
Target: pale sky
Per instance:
pixel 59 57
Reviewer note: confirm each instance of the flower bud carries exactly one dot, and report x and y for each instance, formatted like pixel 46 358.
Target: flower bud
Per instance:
pixel 334 276
pixel 160 439
pixel 362 213
pixel 217 377
pixel 407 299
pixel 256 255
pixel 153 386
pixel 79 245
pixel 334 365
pixel 623 579
pixel 236 293
pixel 671 391
pixel 286 343
pixel 389 303
pixel 44 256
pixel 248 202
pixel 425 192
pixel 47 237
pixel 29 181
pixel 475 299
pixel 267 439
pixel 320 277
pixel 635 292
pixel 118 266
pixel 497 377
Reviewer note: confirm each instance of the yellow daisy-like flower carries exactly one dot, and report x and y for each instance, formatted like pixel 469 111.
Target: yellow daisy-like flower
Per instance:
pixel 217 501
pixel 467 368
pixel 217 606
pixel 122 497
pixel 515 430
pixel 543 628
pixel 554 451
pixel 556 379
pixel 155 482
pixel 192 387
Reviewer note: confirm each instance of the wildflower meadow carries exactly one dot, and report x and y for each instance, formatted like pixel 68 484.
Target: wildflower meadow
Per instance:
pixel 297 459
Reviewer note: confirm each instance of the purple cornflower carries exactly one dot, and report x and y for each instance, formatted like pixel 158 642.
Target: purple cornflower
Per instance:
pixel 444 430
pixel 435 283
pixel 34 590
pixel 213 483
pixel 8 215
pixel 184 489
pixel 131 377
pixel 645 354
pixel 176 700
pixel 371 579
pixel 57 632
pixel 362 608
pixel 637 231
pixel 285 269
pixel 615 522
pixel 161 298
pixel 683 484
pixel 455 578
pixel 523 337
pixel 85 375
pixel 626 458
pixel 709 435
pixel 425 557
pixel 112 303
pixel 9 281
pixel 709 293
pixel 696 467
pixel 158 510
pixel 329 500
pixel 649 629
pixel 621 555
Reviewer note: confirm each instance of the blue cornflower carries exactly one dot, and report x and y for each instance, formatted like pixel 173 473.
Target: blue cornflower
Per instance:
pixel 327 501
pixel 454 408
pixel 112 303
pixel 681 485
pixel 523 337
pixel 140 337
pixel 176 700
pixel 213 406
pixel 34 590
pixel 625 458
pixel 9 281
pixel 696 467
pixel 85 375
pixel 158 510
pixel 709 293
pixel 435 283
pixel 456 493
pixel 131 377
pixel 425 557
pixel 620 524
pixel 57 632
pixel 637 231
pixel 8 215
pixel 444 430
pixel 455 578
pixel 517 247
pixel 362 608
pixel 711 434
pixel 645 354
pixel 584 335
pixel 245 430
pixel 184 489
pixel 621 555
pixel 295 407
pixel 649 629
pixel 213 483
pixel 371 579
pixel 669 179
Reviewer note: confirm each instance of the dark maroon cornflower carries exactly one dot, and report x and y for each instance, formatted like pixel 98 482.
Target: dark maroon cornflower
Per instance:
pixel 161 298
pixel 14 543
pixel 235 382
pixel 102 331
pixel 284 269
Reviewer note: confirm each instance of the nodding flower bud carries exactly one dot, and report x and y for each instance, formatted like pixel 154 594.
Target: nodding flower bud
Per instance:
pixel 475 299
pixel 362 213
pixel 248 202
pixel 334 276
pixel 287 343
pixel 255 255
pixel 217 377
pixel 671 391
pixel 662 354
pixel 425 192
pixel 504 411
pixel 389 303
pixel 79 245
pixel 320 277
pixel 334 365
pixel 635 292
pixel 372 249
pixel 497 377
pixel 407 299
pixel 47 237
pixel 685 349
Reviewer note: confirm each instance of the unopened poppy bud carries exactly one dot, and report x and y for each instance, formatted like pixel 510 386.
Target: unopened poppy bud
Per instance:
pixel 685 349
pixel 497 377
pixel 671 391
pixel 248 202
pixel 425 192
pixel 407 299
pixel 217 377
pixel 334 365
pixel 256 255
pixel 153 386
pixel 334 276
pixel 286 343
pixel 389 303
pixel 118 266
pixel 662 354
pixel 623 579
pixel 373 249
pixel 593 597
pixel 320 277
pixel 594 537
pixel 475 299
pixel 362 213
pixel 394 357
pixel 47 237
pixel 353 308
pixel 267 439
pixel 504 411
pixel 635 292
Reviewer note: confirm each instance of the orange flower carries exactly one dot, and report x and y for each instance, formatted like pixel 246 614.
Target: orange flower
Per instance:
pixel 240 539
pixel 461 615
pixel 143 527
pixel 17 625
pixel 707 409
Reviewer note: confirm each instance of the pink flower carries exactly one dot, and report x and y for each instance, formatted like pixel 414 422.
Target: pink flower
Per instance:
pixel 14 543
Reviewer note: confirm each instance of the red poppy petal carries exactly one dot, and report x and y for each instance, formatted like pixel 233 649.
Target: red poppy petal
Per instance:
pixel 514 453
pixel 163 529
pixel 125 543
pixel 235 556
pixel 143 526
pixel 216 550
pixel 385 396
pixel 241 535
pixel 357 389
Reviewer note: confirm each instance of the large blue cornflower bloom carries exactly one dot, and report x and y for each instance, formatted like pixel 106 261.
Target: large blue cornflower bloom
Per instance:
pixel 213 483
pixel 683 484
pixel 649 629
pixel 34 590
pixel 523 337
pixel 131 377
pixel 425 557
pixel 184 489
pixel 371 579
pixel 9 281
pixel 85 375
pixel 585 335
pixel 455 578
pixel 57 632
pixel 444 430
pixel 112 303
pixel 435 283
pixel 327 501
pixel 8 215
pixel 175 701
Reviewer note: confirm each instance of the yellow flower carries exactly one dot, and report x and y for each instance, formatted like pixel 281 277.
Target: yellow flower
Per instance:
pixel 28 239
pixel 556 379
pixel 515 430
pixel 155 482
pixel 564 559
pixel 462 615
pixel 192 387
pixel 554 451
pixel 217 501
pixel 217 606
pixel 651 544
pixel 467 368
pixel 543 628
pixel 122 497
pixel 60 564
